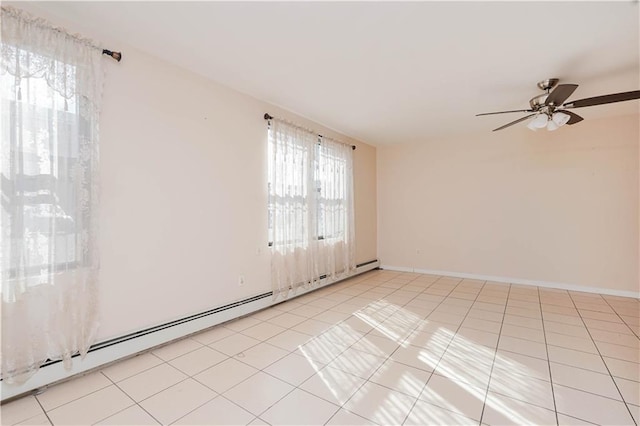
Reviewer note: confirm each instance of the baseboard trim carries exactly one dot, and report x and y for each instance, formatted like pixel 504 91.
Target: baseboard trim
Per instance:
pixel 110 351
pixel 521 281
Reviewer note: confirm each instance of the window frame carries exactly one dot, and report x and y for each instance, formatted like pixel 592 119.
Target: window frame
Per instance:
pixel 318 235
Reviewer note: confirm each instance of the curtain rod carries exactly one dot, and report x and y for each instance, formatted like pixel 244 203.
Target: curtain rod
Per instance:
pixel 115 55
pixel 268 117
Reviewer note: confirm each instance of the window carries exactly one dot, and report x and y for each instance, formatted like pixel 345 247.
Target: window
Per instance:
pixel 329 184
pixel 288 185
pixel 50 98
pixel 42 167
pixel 310 207
pixel 331 189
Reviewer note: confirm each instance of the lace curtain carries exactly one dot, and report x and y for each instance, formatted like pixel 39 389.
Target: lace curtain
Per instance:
pixel 311 225
pixel 50 89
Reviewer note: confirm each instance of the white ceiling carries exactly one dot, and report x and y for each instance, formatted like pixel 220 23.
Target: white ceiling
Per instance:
pixel 387 72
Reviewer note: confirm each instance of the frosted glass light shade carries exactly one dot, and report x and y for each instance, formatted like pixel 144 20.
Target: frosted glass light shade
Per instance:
pixel 561 118
pixel 531 126
pixel 551 126
pixel 539 121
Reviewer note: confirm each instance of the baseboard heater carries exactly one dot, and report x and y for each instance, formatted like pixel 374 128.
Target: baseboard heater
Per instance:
pixel 121 339
pixel 109 351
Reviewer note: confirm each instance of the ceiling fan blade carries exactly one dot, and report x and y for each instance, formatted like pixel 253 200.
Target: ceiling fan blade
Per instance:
pixel 604 99
pixel 575 118
pixel 514 122
pixel 504 112
pixel 560 94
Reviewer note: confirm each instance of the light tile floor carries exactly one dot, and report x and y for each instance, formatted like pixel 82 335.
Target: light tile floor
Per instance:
pixel 381 348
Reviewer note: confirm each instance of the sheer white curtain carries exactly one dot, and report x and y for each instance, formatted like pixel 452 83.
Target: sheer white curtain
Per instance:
pixel 336 232
pixel 310 208
pixel 51 85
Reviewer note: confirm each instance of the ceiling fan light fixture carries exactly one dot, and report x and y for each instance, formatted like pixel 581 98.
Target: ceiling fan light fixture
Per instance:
pixel 540 121
pixel 560 118
pixel 545 104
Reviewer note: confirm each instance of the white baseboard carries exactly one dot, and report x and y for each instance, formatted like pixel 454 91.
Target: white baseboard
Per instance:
pixel 521 281
pixel 54 373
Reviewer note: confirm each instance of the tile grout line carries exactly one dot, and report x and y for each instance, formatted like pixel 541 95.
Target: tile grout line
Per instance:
pixel 444 298
pixel 400 344
pixel 291 328
pixel 578 367
pixel 622 319
pixel 134 401
pixel 391 354
pixel 605 364
pixel 445 350
pixel 531 377
pixel 365 380
pixel 36 392
pixel 102 388
pixel 295 325
pixel 218 395
pixel 46 413
pixel 493 363
pixel 386 359
pixel 576 337
pixel 100 369
pixel 546 348
pixel 150 352
pixel 586 328
pixel 291 352
pixel 341 407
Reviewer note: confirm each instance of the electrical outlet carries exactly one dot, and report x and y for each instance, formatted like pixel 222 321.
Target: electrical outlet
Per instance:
pixel 241 280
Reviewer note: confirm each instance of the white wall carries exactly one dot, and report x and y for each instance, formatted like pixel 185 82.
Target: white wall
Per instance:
pixel 184 194
pixel 560 207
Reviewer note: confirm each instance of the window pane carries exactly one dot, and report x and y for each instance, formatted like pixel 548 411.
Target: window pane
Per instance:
pixel 42 172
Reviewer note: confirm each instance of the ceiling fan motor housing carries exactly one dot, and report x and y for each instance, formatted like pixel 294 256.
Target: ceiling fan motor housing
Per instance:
pixel 537 102
pixel 548 84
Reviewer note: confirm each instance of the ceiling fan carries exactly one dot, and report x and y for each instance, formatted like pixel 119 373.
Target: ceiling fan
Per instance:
pixel 550 111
